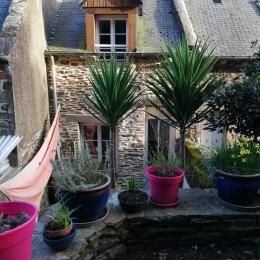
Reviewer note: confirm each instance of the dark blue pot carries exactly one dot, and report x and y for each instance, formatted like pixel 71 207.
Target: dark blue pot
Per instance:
pixel 236 189
pixel 61 243
pixel 89 204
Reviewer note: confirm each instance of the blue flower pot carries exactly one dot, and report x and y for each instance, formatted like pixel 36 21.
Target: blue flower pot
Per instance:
pixel 89 204
pixel 236 189
pixel 60 243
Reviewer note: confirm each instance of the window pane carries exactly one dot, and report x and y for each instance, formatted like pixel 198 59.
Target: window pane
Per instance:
pixel 105 133
pixel 90 132
pixel 104 26
pixel 158 139
pixel 152 137
pixel 91 136
pixel 104 39
pixel 93 147
pixel 120 39
pixel 164 138
pixel 104 50
pixel 105 142
pixel 120 49
pixel 105 145
pixel 120 26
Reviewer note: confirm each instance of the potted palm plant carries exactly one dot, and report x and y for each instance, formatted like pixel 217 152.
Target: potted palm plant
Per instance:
pixel 17 221
pixel 180 85
pixel 133 199
pixel 85 185
pixel 59 232
pixel 114 96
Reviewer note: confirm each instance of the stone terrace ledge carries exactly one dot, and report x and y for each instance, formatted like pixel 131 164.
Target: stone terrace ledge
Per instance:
pixel 199 219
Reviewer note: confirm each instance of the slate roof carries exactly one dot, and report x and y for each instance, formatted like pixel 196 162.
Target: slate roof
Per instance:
pixel 69 28
pixel 158 24
pixel 230 26
pixel 4 7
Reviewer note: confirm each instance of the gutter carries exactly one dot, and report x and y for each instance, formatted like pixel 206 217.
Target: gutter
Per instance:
pixel 137 54
pixel 89 54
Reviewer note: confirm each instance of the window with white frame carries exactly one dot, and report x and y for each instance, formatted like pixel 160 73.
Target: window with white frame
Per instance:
pixel 111 34
pixel 96 138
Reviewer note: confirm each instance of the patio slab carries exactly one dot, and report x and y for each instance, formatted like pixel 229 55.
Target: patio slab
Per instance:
pixel 199 218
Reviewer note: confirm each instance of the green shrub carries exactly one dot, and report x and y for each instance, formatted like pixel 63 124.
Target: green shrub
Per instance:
pixel 239 158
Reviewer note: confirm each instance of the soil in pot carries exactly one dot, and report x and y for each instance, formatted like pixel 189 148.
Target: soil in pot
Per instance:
pixel 164 171
pixel 133 197
pixel 8 222
pixel 133 200
pixel 164 182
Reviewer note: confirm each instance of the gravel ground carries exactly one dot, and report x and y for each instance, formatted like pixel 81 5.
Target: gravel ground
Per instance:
pixel 211 252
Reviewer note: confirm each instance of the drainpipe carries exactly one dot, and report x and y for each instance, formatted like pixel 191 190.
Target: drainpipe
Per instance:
pixel 185 21
pixel 53 74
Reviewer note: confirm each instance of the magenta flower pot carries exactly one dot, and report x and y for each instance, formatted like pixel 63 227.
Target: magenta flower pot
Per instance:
pixel 16 243
pixel 164 190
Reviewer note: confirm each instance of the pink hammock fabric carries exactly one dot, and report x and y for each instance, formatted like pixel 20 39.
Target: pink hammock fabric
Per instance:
pixel 29 184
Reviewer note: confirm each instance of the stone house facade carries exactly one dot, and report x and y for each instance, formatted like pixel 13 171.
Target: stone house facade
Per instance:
pixel 75 43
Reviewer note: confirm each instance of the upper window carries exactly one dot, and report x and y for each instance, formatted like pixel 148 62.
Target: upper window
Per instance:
pixel 111 34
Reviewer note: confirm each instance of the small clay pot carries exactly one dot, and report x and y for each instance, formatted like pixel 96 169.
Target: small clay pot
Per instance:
pixel 59 233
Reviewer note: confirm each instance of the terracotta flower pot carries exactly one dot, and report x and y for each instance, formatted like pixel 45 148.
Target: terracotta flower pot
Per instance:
pixel 51 234
pixel 60 244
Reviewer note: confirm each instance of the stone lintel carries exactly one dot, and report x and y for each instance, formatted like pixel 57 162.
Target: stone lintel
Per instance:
pixel 82 119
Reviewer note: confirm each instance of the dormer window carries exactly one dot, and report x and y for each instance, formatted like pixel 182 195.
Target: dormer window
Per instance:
pixel 111 34
pixel 111 25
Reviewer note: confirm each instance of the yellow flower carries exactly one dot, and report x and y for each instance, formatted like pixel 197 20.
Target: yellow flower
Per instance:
pixel 244 151
pixel 257 145
pixel 243 160
pixel 243 138
pixel 252 138
pixel 233 156
pixel 258 151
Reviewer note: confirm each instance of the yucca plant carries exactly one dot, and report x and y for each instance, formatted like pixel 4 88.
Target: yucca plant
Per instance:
pixel 114 96
pixel 181 84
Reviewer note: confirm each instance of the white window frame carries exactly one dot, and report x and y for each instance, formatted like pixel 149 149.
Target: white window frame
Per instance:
pixel 112 46
pixel 99 138
pixel 172 137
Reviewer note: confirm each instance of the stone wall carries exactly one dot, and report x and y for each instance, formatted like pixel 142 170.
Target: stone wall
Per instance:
pixel 23 43
pixel 72 79
pixel 28 70
pixel 6 102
